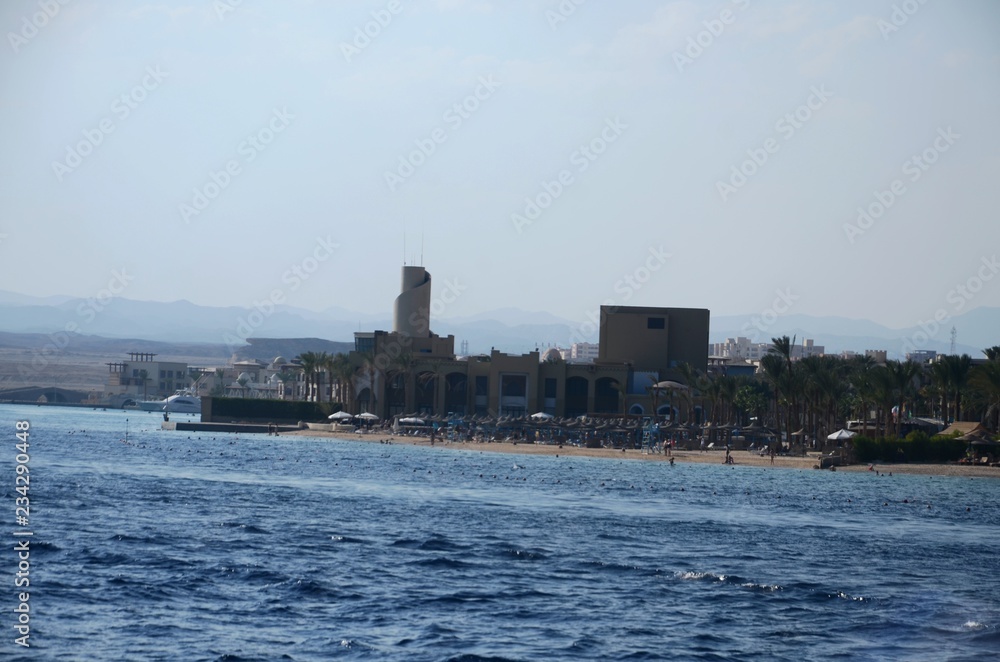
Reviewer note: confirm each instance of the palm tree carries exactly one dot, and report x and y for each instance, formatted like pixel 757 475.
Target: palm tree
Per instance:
pixel 309 363
pixel 992 353
pixel 884 396
pixel 958 375
pixel 783 347
pixel 711 386
pixel 654 396
pixel 985 378
pixel 322 362
pixel 774 368
pixel 144 378
pixel 902 376
pixel 861 381
pixel 727 394
pixel 941 379
pixel 342 371
pixel 690 375
pixel 219 388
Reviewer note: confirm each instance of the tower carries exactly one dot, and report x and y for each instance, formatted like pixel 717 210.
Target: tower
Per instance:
pixel 411 311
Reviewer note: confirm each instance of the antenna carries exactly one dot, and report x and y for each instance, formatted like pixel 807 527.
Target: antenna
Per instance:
pixel 404 249
pixel 421 249
pixel 954 334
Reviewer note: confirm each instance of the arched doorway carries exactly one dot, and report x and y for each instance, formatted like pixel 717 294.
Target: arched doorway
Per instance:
pixel 456 386
pixel 577 389
pixel 426 386
pixel 606 396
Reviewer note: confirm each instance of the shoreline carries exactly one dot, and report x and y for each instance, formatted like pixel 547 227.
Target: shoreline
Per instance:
pixel 741 458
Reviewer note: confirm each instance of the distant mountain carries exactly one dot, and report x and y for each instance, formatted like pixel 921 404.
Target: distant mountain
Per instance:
pixel 507 329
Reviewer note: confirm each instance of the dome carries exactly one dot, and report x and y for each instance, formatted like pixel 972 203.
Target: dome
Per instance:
pixel 279 360
pixel 244 376
pixel 551 354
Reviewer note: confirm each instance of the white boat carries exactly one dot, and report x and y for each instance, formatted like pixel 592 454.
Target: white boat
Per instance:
pixel 178 403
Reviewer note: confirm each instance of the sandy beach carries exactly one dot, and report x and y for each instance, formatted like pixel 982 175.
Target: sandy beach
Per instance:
pixel 741 458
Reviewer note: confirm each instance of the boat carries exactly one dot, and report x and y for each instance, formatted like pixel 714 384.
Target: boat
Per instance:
pixel 178 403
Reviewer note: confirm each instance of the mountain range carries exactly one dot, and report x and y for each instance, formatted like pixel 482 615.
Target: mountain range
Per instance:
pixel 509 329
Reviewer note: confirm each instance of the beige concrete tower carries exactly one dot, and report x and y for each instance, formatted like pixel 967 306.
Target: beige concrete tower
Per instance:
pixel 411 313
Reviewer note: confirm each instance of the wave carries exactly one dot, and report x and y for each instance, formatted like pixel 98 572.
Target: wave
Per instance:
pixel 441 562
pixel 524 554
pixel 732 580
pixel 435 543
pixel 248 528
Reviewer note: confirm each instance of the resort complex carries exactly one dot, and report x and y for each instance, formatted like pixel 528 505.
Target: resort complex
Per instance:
pixel 649 361
pixel 412 370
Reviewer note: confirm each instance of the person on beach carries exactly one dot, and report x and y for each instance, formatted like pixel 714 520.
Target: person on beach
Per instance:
pixel 702 443
pixel 772 454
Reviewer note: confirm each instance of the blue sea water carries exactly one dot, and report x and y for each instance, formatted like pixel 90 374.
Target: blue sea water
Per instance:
pixel 249 547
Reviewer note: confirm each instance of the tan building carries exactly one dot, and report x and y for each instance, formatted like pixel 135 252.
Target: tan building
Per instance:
pixel 654 338
pixel 413 371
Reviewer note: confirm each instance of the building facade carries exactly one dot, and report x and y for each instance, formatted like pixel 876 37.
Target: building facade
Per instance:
pixel 142 376
pixel 411 370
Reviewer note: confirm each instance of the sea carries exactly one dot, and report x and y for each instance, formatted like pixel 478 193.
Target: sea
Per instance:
pixel 192 546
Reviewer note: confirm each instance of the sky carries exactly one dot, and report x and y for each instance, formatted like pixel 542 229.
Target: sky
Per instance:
pixel 823 158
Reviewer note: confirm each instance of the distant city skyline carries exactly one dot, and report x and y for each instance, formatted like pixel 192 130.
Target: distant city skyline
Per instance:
pixel 769 159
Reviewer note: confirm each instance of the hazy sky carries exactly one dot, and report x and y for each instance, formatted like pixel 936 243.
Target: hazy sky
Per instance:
pixel 703 154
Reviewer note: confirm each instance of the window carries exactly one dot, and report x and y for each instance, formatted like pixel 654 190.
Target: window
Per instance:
pixel 656 323
pixel 482 385
pixel 550 387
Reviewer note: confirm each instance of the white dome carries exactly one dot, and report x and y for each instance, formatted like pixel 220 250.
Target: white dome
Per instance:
pixel 244 376
pixel 279 360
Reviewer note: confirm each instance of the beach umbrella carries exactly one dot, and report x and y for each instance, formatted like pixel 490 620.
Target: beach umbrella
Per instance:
pixel 542 416
pixel 412 420
pixel 368 416
pixel 840 435
pixel 340 416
